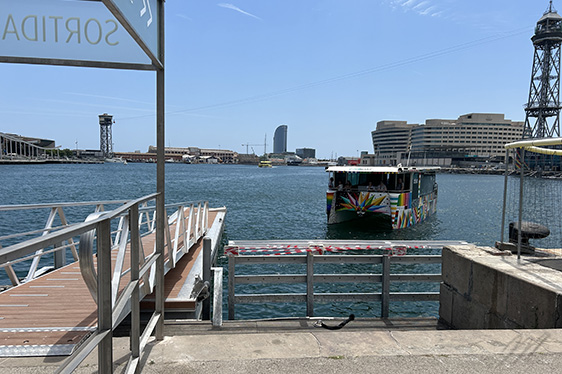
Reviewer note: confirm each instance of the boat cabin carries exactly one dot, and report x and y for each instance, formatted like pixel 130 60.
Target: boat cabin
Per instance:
pixel 403 195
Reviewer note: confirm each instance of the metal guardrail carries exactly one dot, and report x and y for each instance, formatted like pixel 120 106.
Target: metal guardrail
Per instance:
pixel 188 232
pixel 56 211
pixel 102 282
pixel 310 278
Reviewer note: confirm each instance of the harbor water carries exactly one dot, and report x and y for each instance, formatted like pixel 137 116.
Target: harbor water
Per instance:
pixel 263 203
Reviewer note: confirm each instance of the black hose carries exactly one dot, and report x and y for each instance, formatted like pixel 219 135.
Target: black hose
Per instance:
pixel 351 318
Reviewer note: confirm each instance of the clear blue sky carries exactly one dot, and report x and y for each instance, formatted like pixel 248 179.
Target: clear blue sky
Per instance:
pixel 329 69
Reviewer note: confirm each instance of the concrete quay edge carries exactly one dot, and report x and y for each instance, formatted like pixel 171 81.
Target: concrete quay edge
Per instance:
pixel 298 346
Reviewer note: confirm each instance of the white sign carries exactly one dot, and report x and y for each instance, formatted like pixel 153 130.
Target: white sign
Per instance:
pixel 67 30
pixel 142 15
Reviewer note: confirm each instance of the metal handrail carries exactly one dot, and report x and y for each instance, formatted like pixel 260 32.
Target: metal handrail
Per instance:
pixel 147 214
pixel 102 282
pixel 57 205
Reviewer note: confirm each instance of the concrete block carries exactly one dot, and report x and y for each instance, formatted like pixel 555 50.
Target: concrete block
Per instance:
pixel 496 321
pixel 446 304
pixel 529 305
pixel 489 288
pixel 467 314
pixel 456 271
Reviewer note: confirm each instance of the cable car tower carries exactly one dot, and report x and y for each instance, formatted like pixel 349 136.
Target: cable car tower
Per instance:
pixel 106 141
pixel 542 119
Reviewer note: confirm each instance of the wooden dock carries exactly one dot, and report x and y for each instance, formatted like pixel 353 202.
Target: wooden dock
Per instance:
pixel 52 314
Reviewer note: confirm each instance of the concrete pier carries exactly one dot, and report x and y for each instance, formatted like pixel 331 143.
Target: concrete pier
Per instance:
pixel 363 346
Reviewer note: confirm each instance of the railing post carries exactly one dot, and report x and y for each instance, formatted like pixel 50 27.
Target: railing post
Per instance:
pixel 105 322
pixel 59 257
pixel 206 217
pixel 385 294
pixel 135 264
pixel 309 284
pixel 231 285
pixel 217 297
pixel 207 275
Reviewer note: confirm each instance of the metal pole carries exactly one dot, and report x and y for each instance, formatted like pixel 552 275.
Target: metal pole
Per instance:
pixel 160 180
pixel 231 267
pixel 309 284
pixel 520 203
pixel 385 294
pixel 504 194
pixel 217 297
pixel 105 323
pixel 135 263
pixel 60 257
pixel 207 276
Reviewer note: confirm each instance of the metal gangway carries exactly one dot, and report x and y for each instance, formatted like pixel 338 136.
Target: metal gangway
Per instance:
pixel 311 254
pixel 58 309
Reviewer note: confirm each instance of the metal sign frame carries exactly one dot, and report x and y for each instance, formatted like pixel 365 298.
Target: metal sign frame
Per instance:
pixel 157 61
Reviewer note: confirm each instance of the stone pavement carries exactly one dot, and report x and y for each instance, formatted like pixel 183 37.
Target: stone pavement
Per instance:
pixel 363 346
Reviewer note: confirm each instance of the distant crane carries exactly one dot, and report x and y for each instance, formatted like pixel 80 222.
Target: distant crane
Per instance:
pixel 247 145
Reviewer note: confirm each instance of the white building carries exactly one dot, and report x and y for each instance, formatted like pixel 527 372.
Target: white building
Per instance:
pixel 474 136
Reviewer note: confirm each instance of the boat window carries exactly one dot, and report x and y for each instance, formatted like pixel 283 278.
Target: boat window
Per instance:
pixel 353 178
pixel 415 185
pixel 339 178
pixel 427 183
pixel 394 181
pixel 407 182
pixel 363 179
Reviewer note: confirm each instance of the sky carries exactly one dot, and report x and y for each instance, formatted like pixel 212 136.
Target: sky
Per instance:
pixel 328 69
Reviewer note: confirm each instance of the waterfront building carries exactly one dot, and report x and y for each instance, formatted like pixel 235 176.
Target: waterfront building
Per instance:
pixel 306 152
pixel 223 155
pixel 13 145
pixel 390 140
pixel 472 138
pixel 280 139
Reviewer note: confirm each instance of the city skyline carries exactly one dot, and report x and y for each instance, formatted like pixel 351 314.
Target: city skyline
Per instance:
pixel 329 70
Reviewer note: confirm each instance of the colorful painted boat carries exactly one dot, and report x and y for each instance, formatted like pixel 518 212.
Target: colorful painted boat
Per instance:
pixel 389 196
pixel 265 164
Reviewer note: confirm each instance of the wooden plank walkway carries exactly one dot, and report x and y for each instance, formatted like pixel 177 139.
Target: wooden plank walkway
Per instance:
pixel 52 314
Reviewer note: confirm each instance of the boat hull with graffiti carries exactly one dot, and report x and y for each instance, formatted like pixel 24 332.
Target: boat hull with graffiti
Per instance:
pixel 386 197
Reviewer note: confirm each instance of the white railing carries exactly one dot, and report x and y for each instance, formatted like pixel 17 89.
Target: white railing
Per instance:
pixel 134 220
pixel 55 211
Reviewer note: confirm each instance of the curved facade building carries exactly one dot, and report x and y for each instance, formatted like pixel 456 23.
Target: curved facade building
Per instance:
pixel 280 139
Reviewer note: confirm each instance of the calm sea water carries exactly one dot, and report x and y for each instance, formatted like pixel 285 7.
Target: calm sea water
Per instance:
pixel 277 203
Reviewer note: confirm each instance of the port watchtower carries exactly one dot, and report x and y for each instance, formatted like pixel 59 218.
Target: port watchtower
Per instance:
pixel 106 141
pixel 542 119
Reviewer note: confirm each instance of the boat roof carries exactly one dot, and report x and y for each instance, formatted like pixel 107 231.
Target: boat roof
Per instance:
pixel 379 169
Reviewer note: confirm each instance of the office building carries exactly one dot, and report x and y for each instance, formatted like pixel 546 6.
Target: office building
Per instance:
pixel 474 137
pixel 280 140
pixel 306 152
pixel 390 140
pixel 222 155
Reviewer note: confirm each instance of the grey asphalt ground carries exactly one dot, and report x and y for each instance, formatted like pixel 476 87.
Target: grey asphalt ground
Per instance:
pixel 297 346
